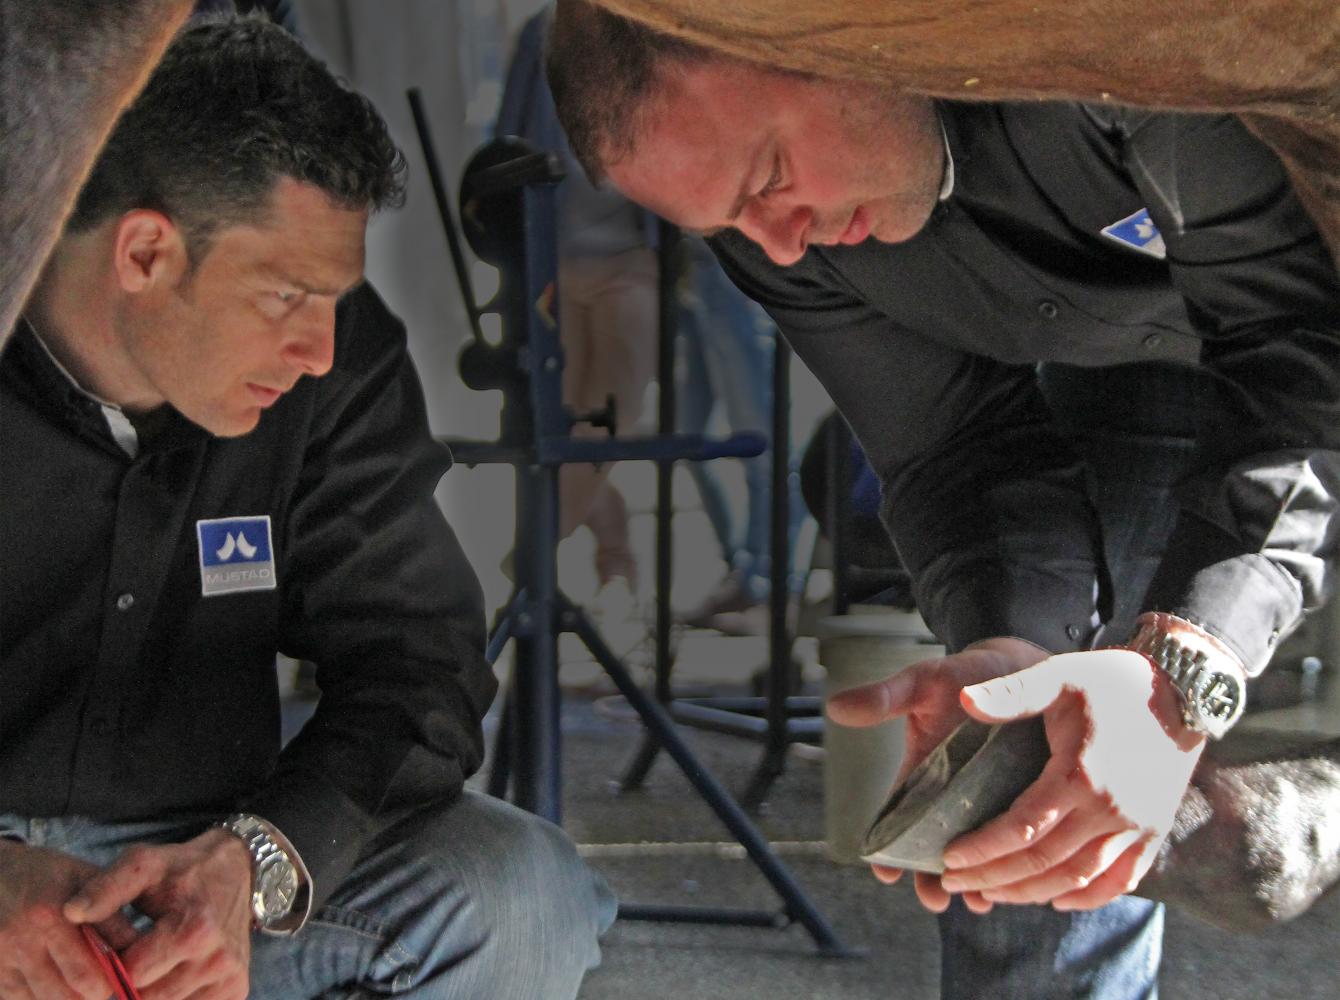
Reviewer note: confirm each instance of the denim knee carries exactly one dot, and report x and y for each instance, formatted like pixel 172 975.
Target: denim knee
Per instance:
pixel 1037 953
pixel 535 910
pixel 475 900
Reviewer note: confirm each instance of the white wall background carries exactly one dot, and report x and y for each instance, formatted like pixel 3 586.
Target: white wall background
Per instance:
pixel 455 52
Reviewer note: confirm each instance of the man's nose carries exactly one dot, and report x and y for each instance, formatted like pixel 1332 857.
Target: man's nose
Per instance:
pixel 310 344
pixel 780 230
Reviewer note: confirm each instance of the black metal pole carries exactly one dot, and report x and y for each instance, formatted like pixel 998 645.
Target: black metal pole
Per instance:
pixel 444 211
pixel 536 778
pixel 779 730
pixel 779 544
pixel 635 773
pixel 668 321
pixel 839 488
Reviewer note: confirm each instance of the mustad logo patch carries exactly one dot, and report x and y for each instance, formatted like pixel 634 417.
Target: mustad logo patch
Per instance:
pixel 235 555
pixel 1138 232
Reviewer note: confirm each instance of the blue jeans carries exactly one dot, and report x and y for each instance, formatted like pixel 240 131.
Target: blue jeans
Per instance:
pixel 728 344
pixel 1134 428
pixel 1036 953
pixel 472 901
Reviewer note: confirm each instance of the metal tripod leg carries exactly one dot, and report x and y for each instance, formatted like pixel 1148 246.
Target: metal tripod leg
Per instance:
pixel 780 641
pixel 662 728
pixel 640 766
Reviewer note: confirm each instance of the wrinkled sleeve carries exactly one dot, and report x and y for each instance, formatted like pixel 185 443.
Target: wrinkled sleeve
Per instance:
pixel 984 500
pixel 1254 545
pixel 379 595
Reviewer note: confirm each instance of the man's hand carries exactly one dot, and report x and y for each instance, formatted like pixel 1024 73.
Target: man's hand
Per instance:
pixel 43 956
pixel 1090 826
pixel 927 693
pixel 198 895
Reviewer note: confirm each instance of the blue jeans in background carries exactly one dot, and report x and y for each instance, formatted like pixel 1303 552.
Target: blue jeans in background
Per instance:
pixel 728 349
pixel 473 901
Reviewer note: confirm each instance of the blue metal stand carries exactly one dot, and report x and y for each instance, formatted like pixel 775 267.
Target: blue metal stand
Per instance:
pixel 507 210
pixel 777 718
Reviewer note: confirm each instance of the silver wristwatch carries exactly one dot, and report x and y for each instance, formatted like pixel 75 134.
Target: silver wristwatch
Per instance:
pixel 1206 674
pixel 280 886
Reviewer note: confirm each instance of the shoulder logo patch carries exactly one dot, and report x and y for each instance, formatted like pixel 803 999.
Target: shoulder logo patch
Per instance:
pixel 1138 232
pixel 235 555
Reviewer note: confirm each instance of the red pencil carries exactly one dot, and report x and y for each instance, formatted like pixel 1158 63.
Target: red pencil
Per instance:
pixel 110 961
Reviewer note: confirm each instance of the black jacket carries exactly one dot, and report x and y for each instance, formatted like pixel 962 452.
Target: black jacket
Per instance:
pixel 126 694
pixel 930 349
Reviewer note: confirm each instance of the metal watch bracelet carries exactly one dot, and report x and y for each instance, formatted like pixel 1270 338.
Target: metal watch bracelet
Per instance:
pixel 275 868
pixel 1207 675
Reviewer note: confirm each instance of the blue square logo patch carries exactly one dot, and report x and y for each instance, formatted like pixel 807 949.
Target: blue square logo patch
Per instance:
pixel 236 554
pixel 1138 232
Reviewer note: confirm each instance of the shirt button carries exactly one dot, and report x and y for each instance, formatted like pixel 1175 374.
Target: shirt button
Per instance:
pixel 125 602
pixel 1048 309
pixel 1072 631
pixel 1153 340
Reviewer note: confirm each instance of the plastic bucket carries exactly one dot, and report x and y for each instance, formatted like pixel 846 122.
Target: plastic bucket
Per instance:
pixel 860 764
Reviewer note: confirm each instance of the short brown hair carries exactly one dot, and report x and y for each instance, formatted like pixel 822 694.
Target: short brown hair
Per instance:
pixel 602 70
pixel 235 105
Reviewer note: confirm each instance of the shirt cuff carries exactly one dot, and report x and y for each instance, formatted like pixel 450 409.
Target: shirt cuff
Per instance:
pixel 325 828
pixel 1025 605
pixel 1247 602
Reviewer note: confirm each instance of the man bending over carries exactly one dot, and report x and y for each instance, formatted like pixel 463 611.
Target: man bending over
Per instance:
pixel 1093 354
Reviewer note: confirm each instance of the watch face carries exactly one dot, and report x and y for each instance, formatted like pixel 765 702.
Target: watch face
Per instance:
pixel 1218 703
pixel 276 887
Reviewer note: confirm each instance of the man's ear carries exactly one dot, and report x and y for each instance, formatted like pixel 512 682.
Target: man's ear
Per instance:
pixel 149 251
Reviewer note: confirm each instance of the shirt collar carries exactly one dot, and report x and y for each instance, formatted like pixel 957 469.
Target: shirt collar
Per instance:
pixel 74 382
pixel 947 182
pixel 118 424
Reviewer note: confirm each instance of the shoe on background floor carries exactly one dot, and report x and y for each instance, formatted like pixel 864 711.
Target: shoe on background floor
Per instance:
pixel 617 616
pixel 731 596
pixel 755 619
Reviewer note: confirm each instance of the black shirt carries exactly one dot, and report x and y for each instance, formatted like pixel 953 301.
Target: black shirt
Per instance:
pixel 129 694
pixel 930 347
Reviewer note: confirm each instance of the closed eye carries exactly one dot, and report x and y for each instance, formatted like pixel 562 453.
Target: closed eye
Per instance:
pixel 278 303
pixel 774 179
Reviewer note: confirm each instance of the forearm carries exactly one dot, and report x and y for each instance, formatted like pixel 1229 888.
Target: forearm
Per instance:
pixel 999 536
pixel 380 596
pixel 1254 545
pixel 372 754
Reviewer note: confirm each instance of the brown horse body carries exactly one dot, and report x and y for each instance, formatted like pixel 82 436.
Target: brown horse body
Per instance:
pixel 1274 62
pixel 67 68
